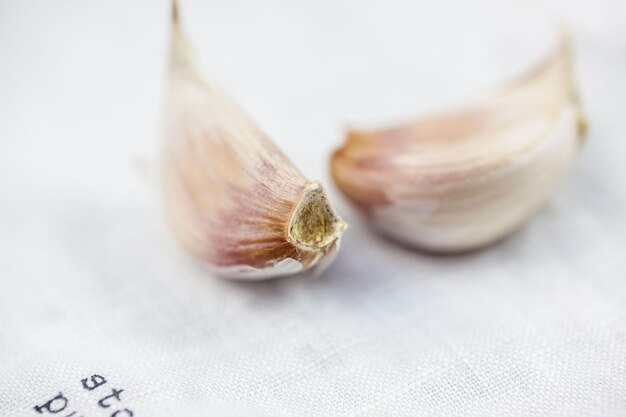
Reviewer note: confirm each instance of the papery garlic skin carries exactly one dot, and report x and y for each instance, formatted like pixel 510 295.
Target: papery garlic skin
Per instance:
pixel 232 198
pixel 458 181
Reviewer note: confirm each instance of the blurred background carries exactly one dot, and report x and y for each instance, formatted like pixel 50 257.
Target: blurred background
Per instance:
pixel 90 280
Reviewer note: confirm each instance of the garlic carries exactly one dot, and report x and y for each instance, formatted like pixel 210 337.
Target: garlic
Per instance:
pixel 463 179
pixel 232 198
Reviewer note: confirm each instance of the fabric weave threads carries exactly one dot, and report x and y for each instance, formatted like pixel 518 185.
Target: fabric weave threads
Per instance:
pixel 91 282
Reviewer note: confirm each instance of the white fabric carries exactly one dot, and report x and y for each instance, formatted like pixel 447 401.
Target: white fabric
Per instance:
pixel 92 282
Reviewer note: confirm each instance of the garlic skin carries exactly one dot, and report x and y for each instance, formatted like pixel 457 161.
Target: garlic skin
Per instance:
pixel 232 198
pixel 463 179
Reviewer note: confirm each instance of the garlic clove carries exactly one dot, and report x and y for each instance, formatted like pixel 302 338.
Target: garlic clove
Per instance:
pixel 460 180
pixel 232 198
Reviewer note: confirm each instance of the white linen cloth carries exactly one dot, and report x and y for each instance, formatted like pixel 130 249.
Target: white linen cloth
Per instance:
pixel 91 282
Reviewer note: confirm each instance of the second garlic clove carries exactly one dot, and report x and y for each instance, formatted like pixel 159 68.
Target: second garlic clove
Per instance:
pixel 463 179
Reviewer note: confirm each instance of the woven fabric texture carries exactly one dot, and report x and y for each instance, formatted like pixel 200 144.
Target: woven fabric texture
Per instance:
pixel 92 286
